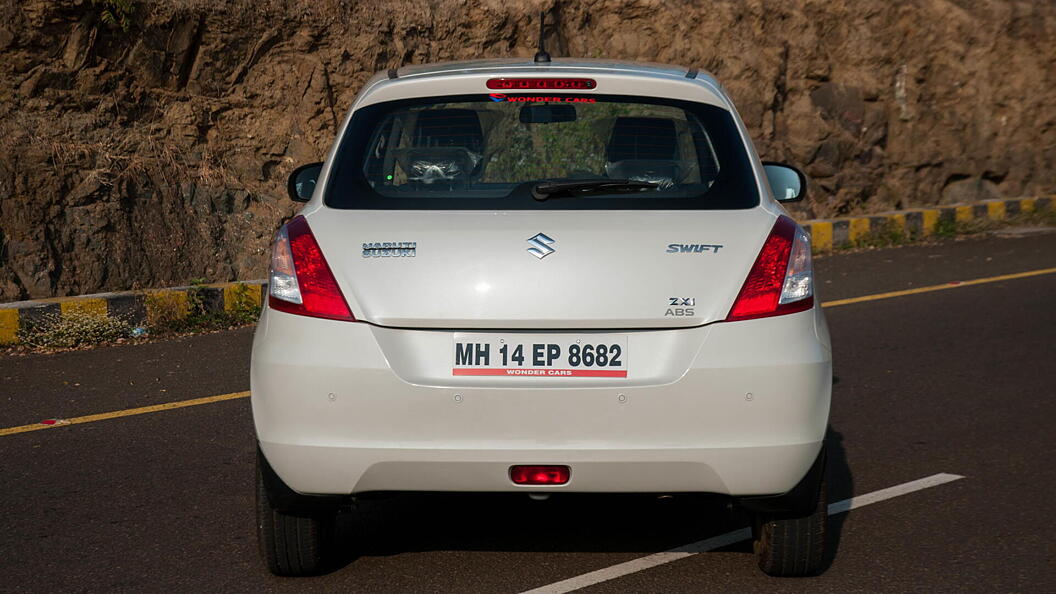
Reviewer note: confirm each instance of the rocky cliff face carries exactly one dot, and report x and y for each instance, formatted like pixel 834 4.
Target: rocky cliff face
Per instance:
pixel 155 155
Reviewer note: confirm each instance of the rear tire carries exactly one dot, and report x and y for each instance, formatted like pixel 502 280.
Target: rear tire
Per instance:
pixel 788 546
pixel 292 545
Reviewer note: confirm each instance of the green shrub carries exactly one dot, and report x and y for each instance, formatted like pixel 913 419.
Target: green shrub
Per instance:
pixel 245 309
pixel 889 236
pixel 116 13
pixel 73 329
pixel 946 227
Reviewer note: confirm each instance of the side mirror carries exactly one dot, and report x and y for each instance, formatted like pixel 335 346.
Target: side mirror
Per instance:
pixel 787 183
pixel 302 182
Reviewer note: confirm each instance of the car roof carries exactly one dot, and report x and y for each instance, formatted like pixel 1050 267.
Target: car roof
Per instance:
pixel 621 77
pixel 556 65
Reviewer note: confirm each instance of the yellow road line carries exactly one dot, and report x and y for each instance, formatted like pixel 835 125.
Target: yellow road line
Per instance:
pixel 943 287
pixel 235 395
pixel 128 412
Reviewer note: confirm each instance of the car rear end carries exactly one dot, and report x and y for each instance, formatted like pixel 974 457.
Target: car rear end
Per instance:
pixel 442 319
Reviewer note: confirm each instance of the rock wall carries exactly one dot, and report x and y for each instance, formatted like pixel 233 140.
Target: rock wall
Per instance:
pixel 157 155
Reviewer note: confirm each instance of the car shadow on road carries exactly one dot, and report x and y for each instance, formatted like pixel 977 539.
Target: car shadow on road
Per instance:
pixel 840 483
pixel 643 524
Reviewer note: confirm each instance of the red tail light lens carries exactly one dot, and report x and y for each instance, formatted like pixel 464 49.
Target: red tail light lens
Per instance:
pixel 781 280
pixel 301 281
pixel 540 475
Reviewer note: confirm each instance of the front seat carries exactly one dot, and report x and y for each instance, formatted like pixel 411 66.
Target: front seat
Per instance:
pixel 447 148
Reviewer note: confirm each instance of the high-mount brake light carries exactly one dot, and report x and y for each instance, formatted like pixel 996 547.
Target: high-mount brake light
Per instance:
pixel 300 280
pixel 781 280
pixel 553 84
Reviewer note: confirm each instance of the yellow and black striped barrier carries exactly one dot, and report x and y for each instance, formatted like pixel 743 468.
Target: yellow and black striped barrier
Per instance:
pixel 830 234
pixel 137 308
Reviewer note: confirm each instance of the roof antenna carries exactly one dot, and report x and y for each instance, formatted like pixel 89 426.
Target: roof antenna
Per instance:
pixel 541 56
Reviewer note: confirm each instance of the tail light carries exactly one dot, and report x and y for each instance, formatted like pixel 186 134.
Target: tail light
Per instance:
pixel 300 281
pixel 540 475
pixel 781 280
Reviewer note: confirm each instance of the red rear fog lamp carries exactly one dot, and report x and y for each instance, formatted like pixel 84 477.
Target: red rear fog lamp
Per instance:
pixel 540 475
pixel 556 84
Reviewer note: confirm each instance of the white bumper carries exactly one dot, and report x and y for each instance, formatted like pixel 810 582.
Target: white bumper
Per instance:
pixel 735 408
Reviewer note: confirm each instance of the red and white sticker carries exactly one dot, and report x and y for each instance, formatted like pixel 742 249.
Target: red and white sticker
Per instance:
pixel 542 372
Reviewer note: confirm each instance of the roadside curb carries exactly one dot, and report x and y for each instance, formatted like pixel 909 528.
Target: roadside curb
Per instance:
pixel 915 223
pixel 134 307
pixel 141 307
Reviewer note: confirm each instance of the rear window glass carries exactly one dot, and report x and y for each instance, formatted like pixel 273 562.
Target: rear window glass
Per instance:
pixel 490 151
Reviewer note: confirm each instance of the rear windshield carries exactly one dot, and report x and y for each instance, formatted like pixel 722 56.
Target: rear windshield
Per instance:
pixel 490 151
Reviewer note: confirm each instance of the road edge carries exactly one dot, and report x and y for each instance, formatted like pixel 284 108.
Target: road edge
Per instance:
pixel 138 307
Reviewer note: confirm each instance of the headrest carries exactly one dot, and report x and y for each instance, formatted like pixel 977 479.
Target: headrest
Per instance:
pixel 452 128
pixel 651 139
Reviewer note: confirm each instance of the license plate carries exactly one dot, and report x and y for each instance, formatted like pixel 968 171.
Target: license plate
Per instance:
pixel 540 355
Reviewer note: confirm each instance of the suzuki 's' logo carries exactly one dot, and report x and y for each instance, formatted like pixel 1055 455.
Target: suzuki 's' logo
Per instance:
pixel 540 246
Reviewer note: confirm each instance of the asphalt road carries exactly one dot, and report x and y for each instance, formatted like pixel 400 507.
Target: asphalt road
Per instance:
pixel 957 381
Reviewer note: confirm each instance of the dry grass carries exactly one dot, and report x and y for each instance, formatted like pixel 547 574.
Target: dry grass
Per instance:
pixel 165 308
pixel 111 155
pixel 325 11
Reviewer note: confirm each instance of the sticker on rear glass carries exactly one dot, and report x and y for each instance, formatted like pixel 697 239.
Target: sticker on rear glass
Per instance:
pixel 499 97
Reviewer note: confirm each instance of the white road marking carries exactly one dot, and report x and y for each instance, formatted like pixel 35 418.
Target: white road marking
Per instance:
pixel 898 490
pixel 717 542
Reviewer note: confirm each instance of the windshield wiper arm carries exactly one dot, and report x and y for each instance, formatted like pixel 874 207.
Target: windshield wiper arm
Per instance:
pixel 586 187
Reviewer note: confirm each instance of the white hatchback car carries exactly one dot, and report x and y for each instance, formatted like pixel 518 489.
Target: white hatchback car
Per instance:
pixel 568 276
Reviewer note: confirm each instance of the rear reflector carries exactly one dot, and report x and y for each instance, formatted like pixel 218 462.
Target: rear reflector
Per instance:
pixel 540 475
pixel 781 280
pixel 555 84
pixel 301 281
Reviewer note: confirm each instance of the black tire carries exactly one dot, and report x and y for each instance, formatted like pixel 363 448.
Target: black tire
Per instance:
pixel 292 545
pixel 789 546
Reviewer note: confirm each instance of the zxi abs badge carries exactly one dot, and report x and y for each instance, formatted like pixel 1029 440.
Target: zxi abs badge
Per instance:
pixel 680 306
pixel 540 246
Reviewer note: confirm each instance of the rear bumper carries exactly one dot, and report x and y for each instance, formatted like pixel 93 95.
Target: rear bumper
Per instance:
pixel 738 409
pixel 734 471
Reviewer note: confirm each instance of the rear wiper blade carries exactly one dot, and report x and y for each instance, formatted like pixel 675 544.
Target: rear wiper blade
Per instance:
pixel 586 187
